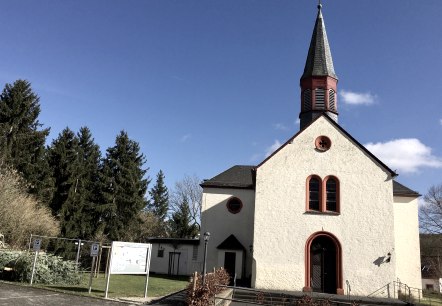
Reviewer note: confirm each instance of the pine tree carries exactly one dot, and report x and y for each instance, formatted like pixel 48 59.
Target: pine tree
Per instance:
pixel 124 186
pixel 159 198
pixel 66 203
pixel 181 224
pixel 22 143
pixel 89 183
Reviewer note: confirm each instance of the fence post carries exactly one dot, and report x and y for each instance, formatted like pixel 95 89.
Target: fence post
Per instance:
pixel 195 276
pixel 388 290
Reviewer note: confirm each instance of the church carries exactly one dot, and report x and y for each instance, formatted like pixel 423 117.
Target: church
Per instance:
pixel 321 211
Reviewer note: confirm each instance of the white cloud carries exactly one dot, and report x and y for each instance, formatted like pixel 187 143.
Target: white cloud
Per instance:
pixel 405 155
pixel 185 138
pixel 357 98
pixel 440 121
pixel 273 147
pixel 298 121
pixel 280 127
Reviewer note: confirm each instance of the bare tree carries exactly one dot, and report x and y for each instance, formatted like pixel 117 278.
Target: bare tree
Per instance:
pixel 188 189
pixel 430 212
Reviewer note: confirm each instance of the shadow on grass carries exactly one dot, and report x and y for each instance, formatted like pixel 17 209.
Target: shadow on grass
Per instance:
pixel 170 277
pixel 74 289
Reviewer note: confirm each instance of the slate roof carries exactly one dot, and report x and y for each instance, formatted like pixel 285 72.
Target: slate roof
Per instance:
pixel 401 190
pixel 319 60
pixel 231 243
pixel 174 241
pixel 236 177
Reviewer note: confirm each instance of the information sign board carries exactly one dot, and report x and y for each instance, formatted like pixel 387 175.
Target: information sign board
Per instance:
pixel 95 248
pixel 129 258
pixel 37 244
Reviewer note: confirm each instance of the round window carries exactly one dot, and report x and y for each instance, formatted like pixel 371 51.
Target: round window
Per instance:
pixel 234 205
pixel 322 143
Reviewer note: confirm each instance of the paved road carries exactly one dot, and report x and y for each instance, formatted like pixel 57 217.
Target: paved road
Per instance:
pixel 16 295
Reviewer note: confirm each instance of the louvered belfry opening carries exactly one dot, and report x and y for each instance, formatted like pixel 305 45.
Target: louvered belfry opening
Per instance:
pixel 331 100
pixel 307 100
pixel 319 98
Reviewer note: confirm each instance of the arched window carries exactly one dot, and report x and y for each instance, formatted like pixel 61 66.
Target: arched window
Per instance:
pixel 331 194
pixel 307 100
pixel 331 100
pixel 322 195
pixel 314 193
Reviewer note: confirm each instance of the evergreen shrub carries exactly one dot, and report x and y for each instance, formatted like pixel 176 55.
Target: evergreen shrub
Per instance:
pixel 49 269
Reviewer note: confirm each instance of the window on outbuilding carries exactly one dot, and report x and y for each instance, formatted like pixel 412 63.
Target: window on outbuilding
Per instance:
pixel 160 252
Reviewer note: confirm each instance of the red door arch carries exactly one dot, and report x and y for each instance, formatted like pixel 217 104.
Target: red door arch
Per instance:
pixel 323 264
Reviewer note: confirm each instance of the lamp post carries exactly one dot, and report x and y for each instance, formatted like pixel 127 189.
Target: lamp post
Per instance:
pixel 206 240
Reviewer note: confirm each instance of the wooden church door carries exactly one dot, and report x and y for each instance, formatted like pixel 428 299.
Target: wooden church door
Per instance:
pixel 323 265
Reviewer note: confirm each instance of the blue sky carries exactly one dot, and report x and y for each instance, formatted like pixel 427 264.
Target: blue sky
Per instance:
pixel 205 85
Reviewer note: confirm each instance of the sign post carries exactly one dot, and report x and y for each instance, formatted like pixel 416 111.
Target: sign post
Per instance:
pixel 95 247
pixel 36 247
pixel 129 258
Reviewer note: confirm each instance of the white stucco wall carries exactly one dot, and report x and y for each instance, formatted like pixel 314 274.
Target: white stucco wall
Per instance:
pixel 187 266
pixel 216 219
pixel 407 250
pixel 364 227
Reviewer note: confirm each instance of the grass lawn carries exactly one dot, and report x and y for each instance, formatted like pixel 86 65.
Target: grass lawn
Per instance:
pixel 431 299
pixel 126 285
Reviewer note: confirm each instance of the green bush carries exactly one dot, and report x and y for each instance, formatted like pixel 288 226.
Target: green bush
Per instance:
pixel 49 269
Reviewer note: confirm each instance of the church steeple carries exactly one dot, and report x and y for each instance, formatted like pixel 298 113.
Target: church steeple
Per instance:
pixel 319 80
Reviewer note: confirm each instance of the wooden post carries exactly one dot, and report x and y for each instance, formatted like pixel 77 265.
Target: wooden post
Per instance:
pixel 195 277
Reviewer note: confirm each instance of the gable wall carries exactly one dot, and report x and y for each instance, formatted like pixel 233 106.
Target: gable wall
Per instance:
pixel 216 219
pixel 364 227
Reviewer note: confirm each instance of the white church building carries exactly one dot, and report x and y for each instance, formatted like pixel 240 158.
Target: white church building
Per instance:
pixel 320 211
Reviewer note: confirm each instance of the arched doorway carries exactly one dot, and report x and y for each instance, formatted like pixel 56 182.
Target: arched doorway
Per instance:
pixel 323 264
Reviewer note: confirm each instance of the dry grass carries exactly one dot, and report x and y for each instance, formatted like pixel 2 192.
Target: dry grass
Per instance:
pixel 20 213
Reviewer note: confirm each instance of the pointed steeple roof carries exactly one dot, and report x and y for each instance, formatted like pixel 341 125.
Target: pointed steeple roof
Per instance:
pixel 319 60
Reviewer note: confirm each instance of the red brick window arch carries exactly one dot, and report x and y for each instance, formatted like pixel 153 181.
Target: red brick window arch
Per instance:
pixel 322 195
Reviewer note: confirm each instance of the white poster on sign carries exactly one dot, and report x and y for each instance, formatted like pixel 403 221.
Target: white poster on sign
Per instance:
pixel 129 258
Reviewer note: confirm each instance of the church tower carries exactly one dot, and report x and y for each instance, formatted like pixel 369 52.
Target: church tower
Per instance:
pixel 319 81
